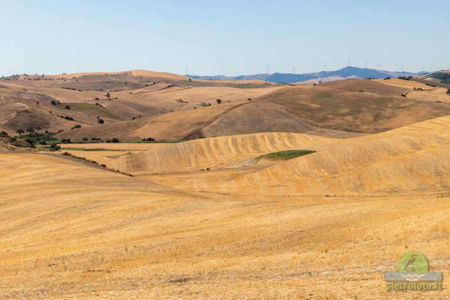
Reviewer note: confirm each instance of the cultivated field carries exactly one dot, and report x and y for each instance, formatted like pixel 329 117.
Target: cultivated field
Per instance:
pixel 278 192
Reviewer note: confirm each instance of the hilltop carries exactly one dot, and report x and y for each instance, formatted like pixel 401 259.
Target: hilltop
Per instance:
pixel 344 73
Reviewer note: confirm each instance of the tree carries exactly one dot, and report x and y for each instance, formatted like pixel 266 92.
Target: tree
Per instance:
pixel 20 131
pixel 219 101
pixel 101 121
pixel 108 95
pixel 4 134
pixel 448 91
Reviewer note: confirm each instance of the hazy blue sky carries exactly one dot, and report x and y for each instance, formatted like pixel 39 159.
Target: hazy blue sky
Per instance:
pixel 222 37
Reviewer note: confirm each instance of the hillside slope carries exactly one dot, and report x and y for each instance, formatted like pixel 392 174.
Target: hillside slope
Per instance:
pixel 72 230
pixel 411 160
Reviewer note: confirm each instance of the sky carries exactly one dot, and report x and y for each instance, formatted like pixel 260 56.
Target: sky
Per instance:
pixel 222 37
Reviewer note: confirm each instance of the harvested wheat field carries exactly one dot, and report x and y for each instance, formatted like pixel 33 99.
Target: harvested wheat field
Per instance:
pixel 222 218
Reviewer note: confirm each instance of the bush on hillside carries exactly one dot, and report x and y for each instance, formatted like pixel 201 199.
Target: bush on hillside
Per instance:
pixel 148 139
pixel 55 147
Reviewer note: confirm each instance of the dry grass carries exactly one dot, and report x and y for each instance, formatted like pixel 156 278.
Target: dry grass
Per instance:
pixel 314 227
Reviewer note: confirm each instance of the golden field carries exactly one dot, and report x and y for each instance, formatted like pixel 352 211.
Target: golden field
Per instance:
pixel 206 219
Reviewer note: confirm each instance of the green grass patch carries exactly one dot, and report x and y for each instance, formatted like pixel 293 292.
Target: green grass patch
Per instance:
pixel 285 155
pixel 90 109
pixel 89 149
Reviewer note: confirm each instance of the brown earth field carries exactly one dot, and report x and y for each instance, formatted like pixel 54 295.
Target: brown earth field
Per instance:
pixel 302 192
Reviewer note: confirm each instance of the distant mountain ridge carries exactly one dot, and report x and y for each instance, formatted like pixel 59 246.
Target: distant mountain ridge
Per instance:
pixel 347 72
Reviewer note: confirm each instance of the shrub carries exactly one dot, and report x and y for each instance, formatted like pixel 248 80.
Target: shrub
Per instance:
pixel 148 139
pixel 4 134
pixel 115 140
pixel 20 131
pixel 219 101
pixel 29 141
pixel 55 147
pixel 101 121
pixel 67 107
pixel 76 126
pixel 448 91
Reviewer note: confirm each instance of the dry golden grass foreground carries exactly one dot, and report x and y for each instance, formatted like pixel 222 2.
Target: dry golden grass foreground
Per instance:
pixel 70 230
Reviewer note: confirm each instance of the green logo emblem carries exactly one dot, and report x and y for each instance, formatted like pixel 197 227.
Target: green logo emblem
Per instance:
pixel 413 262
pixel 413 273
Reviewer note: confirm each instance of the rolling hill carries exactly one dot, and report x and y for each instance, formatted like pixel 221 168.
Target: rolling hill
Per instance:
pixel 347 72
pixel 326 224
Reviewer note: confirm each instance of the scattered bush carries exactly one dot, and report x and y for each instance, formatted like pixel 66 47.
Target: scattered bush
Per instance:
pixel 148 139
pixel 55 147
